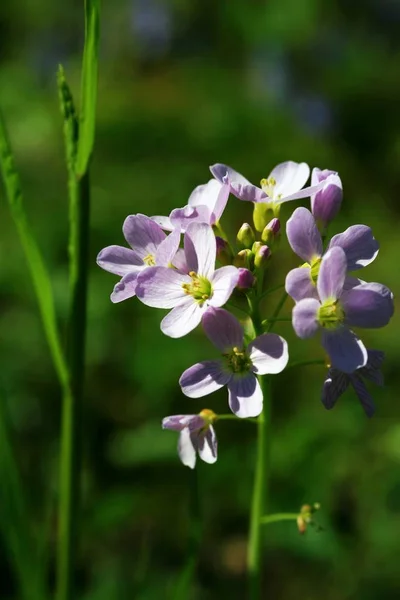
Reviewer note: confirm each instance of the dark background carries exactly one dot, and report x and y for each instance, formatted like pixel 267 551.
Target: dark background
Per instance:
pixel 185 84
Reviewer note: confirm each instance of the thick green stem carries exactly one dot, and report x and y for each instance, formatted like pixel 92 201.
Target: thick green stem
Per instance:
pixel 279 517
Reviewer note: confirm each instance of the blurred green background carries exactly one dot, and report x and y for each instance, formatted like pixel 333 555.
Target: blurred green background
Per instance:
pixel 185 84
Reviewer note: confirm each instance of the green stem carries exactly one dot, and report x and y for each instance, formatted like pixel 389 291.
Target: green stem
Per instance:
pixel 277 310
pixel 279 517
pixel 235 418
pixel 306 363
pixel 271 290
pixel 266 322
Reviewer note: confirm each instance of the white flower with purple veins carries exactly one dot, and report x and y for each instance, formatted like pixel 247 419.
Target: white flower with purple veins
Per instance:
pixel 190 293
pixel 368 305
pixel 196 435
pixel 358 243
pixel 284 183
pixel 149 246
pixel 239 365
pixel 205 205
pixel 336 383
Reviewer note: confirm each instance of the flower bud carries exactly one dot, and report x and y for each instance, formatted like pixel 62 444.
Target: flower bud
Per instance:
pixel 262 214
pixel 243 259
pixel 246 279
pixel 271 232
pixel 262 255
pixel 245 237
pixel 325 204
pixel 301 524
pixel 224 253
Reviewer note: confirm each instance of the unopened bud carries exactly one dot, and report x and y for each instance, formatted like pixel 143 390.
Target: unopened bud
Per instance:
pixel 224 253
pixel 261 257
pixel 325 204
pixel 262 214
pixel 245 237
pixel 301 524
pixel 246 279
pixel 243 259
pixel 271 232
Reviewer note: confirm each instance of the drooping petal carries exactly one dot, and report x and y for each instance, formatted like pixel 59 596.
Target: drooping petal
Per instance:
pixel 363 395
pixel 335 384
pixel 203 378
pixel 268 353
pixel 143 234
pixel 186 449
pixel 245 396
pixel 119 260
pixel 299 285
pixel 183 318
pixel 161 287
pixel 223 283
pixel 168 248
pixel 201 249
pixel 126 288
pixel 207 445
pixel 290 177
pixel 332 274
pixel 303 235
pixel 368 305
pixel 239 185
pixel 178 422
pixel 304 317
pixel 359 244
pixel 222 329
pixel 326 204
pixel 346 350
pixel 372 369
pixel 163 222
pixel 182 217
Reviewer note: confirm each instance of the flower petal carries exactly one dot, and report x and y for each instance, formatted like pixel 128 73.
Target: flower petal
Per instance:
pixel 222 329
pixel 245 396
pixel 220 205
pixel 168 248
pixel 239 185
pixel 359 244
pixel 304 317
pixel 186 449
pixel 161 287
pixel 183 318
pixel 290 177
pixel 214 195
pixel 368 305
pixel 119 260
pixel 304 193
pixel 208 446
pixel 142 234
pixel 203 378
pixel 372 369
pixel 332 274
pixel 363 395
pixel 182 217
pixel 299 285
pixel 126 288
pixel 303 235
pixel 201 249
pixel 223 283
pixel 335 384
pixel 178 422
pixel 268 353
pixel 326 204
pixel 163 222
pixel 179 261
pixel 346 350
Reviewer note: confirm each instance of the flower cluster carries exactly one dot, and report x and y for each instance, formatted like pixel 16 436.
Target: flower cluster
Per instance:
pixel 186 264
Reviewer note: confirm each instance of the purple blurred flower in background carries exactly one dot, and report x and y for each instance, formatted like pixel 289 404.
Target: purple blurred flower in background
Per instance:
pixel 369 305
pixel 237 369
pixel 326 203
pixel 196 435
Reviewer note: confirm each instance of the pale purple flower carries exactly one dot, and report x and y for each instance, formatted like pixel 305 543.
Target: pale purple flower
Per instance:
pixel 239 365
pixel 336 382
pixel 190 292
pixel 368 305
pixel 149 246
pixel 205 205
pixel 358 243
pixel 284 183
pixel 326 203
pixel 196 435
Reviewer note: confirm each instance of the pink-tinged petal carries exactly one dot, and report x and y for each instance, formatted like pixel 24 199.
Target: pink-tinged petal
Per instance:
pixel 183 318
pixel 239 185
pixel 179 261
pixel 201 241
pixel 332 274
pixel 304 193
pixel 223 283
pixel 303 235
pixel 119 260
pixel 203 378
pixel 363 395
pixel 299 285
pixel 168 248
pixel 186 449
pixel 161 287
pixel 290 177
pixel 268 353
pixel 182 217
pixel 335 384
pixel 163 222
pixel 245 396
pixel 368 305
pixel 207 446
pixel 179 422
pixel 207 195
pixel 126 288
pixel 359 245
pixel 305 317
pixel 222 329
pixel 346 350
pixel 143 234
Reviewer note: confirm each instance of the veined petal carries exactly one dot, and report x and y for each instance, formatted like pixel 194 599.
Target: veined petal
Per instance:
pixel 332 274
pixel 119 260
pixel 372 369
pixel 183 318
pixel 303 235
pixel 200 240
pixel 335 384
pixel 168 248
pixel 222 329
pixel 359 245
pixel 363 395
pixel 143 234
pixel 203 378
pixel 239 185
pixel 220 204
pixel 368 305
pixel 206 195
pixel 126 288
pixel 208 446
pixel 179 261
pixel 298 284
pixel 179 422
pixel 304 317
pixel 161 287
pixel 290 177
pixel 346 350
pixel 268 353
pixel 182 217
pixel 186 449
pixel 223 283
pixel 245 396
pixel 163 222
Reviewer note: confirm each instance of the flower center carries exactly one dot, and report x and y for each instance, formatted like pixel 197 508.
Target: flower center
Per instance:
pixel 149 260
pixel 268 186
pixel 331 314
pixel 237 360
pixel 200 288
pixel 208 416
